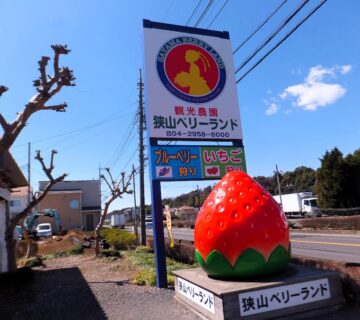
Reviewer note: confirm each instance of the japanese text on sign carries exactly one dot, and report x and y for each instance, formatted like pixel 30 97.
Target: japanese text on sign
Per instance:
pixel 196 294
pixel 195 162
pixel 283 297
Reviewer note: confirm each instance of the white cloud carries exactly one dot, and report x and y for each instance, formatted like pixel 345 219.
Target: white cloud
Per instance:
pixel 272 109
pixel 345 68
pixel 314 92
pixel 314 95
pixel 318 73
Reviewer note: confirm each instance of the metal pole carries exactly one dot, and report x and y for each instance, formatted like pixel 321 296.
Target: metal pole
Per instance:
pixel 159 242
pixel 278 183
pixel 141 160
pixel 135 214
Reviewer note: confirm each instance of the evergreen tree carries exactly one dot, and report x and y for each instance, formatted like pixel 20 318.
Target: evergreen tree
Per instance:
pixel 304 179
pixel 267 183
pixel 352 162
pixel 331 180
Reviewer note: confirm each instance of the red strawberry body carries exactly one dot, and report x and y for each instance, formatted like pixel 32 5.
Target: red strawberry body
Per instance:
pixel 240 215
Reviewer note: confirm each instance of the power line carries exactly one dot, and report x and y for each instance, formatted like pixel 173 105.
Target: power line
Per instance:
pixel 211 2
pixel 96 124
pixel 218 13
pixel 121 150
pixel 126 138
pixel 260 26
pixel 194 11
pixel 282 40
pixel 283 24
pixel 168 10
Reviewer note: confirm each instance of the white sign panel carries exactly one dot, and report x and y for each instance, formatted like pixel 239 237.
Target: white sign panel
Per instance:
pixel 196 294
pixel 259 301
pixel 190 84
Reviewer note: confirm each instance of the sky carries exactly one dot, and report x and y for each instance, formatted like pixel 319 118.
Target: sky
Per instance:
pixel 298 103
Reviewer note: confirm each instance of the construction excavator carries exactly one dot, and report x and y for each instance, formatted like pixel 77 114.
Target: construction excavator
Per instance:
pixel 31 221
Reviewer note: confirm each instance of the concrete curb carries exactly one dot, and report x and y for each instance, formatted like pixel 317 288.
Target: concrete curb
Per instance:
pixel 327 231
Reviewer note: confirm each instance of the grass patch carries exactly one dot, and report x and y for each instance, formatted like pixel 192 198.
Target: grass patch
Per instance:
pixel 145 260
pixel 30 262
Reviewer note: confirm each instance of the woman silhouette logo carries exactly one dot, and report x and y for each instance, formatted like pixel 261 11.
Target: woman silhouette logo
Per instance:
pixel 192 71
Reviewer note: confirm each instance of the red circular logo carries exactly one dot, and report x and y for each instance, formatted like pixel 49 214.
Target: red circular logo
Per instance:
pixel 191 71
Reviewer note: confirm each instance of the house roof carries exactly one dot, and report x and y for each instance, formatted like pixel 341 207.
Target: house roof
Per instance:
pixel 90 190
pixel 10 173
pixel 20 192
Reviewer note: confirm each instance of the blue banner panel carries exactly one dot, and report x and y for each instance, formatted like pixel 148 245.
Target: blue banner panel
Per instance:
pixel 176 163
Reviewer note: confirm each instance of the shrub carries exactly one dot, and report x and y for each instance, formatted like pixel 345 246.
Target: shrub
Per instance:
pixel 75 250
pixel 118 239
pixel 145 277
pixel 148 277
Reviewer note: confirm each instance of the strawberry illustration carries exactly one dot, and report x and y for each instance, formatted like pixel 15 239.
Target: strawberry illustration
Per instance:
pixel 240 230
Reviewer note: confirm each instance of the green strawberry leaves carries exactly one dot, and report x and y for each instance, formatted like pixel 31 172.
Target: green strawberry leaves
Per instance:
pixel 249 264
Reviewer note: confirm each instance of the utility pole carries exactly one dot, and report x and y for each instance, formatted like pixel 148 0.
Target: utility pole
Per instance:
pixel 135 210
pixel 278 183
pixel 141 160
pixel 198 196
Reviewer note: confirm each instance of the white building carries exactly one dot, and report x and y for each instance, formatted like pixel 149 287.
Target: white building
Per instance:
pixel 19 199
pixel 10 177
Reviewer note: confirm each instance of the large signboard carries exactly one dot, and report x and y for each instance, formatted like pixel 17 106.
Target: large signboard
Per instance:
pixel 190 85
pixel 195 162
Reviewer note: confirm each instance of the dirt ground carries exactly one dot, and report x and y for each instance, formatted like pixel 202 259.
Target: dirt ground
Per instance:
pixel 52 245
pixel 82 287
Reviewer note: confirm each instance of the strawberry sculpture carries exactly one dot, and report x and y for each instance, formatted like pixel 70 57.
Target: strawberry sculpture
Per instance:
pixel 241 231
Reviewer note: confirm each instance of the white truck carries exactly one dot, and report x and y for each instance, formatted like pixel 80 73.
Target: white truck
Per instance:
pixel 118 220
pixel 302 204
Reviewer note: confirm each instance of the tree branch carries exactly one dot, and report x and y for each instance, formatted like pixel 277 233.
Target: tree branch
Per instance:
pixel 58 107
pixel 2 90
pixel 46 87
pixel 37 198
pixel 43 82
pixel 4 123
pixel 106 180
pixel 50 168
pixel 116 192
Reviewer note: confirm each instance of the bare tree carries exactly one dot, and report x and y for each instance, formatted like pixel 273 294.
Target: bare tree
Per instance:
pixel 36 198
pixel 46 86
pixel 117 189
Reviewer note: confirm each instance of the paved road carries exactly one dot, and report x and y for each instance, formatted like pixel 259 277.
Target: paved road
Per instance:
pixel 339 247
